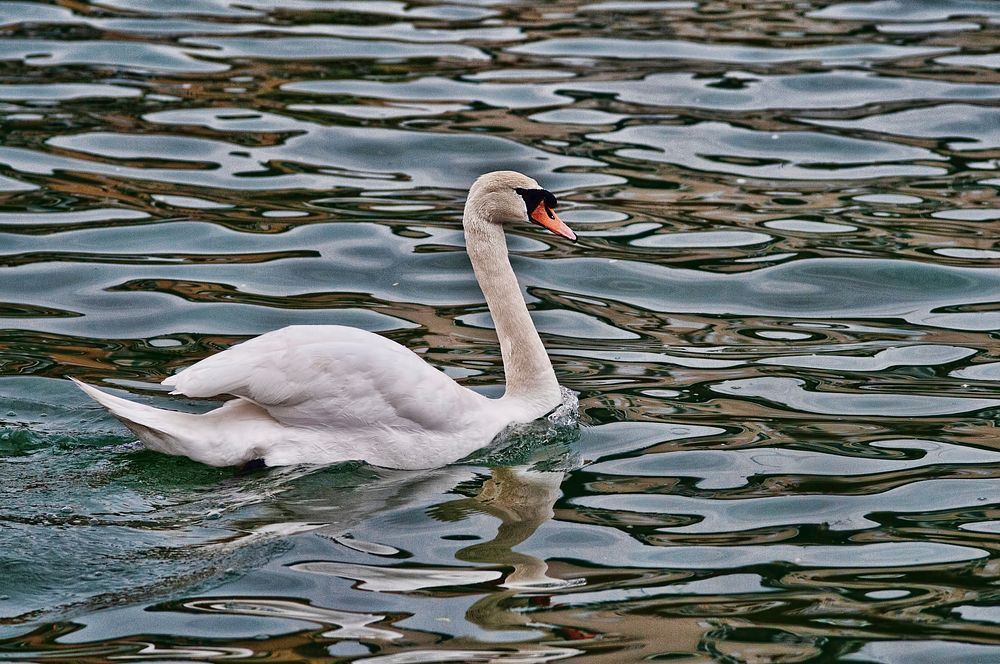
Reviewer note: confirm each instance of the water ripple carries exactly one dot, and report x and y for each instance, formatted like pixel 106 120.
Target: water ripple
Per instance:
pixel 778 323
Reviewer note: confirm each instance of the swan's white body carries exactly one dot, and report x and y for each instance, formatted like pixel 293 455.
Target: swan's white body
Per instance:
pixel 328 393
pixel 319 394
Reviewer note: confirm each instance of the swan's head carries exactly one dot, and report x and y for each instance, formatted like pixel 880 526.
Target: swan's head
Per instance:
pixel 504 197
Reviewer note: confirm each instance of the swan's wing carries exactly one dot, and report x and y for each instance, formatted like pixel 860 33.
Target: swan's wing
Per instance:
pixel 329 376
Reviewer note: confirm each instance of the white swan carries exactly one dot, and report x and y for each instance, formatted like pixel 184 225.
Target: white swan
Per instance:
pixel 328 393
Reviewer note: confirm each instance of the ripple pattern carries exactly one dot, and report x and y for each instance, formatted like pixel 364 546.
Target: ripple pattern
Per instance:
pixel 781 321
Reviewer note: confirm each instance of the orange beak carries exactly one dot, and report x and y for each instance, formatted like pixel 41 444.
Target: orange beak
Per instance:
pixel 546 217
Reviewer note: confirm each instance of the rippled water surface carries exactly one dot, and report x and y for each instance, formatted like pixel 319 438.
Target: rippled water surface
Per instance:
pixel 780 320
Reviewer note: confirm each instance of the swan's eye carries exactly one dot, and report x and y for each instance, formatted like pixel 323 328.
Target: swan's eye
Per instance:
pixel 538 204
pixel 535 197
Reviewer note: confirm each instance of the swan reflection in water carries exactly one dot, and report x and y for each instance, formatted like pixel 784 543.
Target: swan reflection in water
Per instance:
pixel 339 577
pixel 519 497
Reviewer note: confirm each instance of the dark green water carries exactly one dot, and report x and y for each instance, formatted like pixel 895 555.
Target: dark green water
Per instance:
pixel 781 320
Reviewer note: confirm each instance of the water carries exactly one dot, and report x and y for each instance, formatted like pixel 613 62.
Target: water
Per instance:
pixel 780 321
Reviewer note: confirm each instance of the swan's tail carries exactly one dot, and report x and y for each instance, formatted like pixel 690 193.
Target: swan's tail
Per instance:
pixel 169 431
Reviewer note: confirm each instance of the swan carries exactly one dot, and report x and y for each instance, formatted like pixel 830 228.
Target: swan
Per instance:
pixel 320 394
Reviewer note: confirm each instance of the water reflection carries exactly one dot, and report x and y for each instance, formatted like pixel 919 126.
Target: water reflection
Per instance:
pixel 519 498
pixel 779 320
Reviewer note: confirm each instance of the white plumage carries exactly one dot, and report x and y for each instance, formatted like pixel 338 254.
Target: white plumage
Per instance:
pixel 328 393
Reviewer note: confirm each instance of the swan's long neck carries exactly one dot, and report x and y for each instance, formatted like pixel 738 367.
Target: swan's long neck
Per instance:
pixel 529 374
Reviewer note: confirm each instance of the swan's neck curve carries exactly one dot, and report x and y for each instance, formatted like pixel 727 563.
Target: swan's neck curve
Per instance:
pixel 531 382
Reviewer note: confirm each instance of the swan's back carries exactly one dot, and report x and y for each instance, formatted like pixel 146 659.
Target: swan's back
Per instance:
pixel 336 377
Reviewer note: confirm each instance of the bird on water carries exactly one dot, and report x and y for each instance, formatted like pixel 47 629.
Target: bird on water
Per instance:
pixel 320 394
